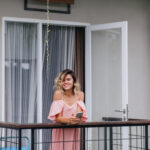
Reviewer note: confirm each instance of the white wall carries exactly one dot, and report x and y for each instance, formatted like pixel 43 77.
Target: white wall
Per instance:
pixel 136 12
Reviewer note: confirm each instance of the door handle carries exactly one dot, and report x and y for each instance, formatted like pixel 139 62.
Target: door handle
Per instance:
pixel 125 111
pixel 122 111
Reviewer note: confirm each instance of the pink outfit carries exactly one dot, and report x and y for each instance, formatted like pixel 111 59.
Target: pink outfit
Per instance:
pixel 70 136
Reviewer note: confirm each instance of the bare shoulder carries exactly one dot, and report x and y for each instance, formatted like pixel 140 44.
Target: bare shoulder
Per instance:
pixel 57 95
pixel 81 95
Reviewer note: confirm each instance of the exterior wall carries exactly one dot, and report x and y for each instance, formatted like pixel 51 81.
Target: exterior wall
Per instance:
pixel 136 12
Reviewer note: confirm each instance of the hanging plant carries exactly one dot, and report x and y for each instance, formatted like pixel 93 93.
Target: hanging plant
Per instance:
pixel 47 37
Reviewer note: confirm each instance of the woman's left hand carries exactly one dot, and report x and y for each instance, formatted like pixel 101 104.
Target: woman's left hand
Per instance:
pixel 75 120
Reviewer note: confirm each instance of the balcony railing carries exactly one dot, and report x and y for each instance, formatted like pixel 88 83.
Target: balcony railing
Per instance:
pixel 109 135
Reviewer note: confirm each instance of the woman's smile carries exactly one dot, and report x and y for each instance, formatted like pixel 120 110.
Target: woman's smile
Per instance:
pixel 68 82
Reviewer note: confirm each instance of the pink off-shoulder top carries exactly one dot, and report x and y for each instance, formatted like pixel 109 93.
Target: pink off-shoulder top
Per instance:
pixel 69 138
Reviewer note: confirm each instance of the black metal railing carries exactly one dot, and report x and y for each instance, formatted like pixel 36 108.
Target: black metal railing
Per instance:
pixel 110 135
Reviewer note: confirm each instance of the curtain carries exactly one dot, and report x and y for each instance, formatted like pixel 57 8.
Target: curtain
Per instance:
pixel 61 56
pixel 80 66
pixel 20 72
pixel 79 55
pixel 66 50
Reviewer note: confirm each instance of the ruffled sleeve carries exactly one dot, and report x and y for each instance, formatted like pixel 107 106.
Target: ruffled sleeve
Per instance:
pixel 55 109
pixel 82 106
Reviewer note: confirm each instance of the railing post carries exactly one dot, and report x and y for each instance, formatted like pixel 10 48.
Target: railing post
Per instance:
pixel 146 137
pixel 32 139
pixel 105 138
pixel 20 139
pixel 130 138
pixel 111 138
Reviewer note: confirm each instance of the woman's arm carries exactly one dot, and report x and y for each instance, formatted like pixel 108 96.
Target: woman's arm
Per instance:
pixel 81 98
pixel 72 120
pixel 61 119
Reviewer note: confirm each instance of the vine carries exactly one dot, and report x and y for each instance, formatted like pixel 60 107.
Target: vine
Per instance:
pixel 47 36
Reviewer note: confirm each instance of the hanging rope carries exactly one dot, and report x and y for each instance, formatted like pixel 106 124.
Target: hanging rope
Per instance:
pixel 47 37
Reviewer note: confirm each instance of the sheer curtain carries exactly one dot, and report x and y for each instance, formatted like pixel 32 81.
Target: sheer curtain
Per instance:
pixel 65 51
pixel 61 56
pixel 79 67
pixel 20 72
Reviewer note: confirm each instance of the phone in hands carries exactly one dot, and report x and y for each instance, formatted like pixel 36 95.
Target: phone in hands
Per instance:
pixel 79 115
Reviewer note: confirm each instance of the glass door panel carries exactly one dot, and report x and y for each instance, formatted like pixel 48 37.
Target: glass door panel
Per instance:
pixel 106 74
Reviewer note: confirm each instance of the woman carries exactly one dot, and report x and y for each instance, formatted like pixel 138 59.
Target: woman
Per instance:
pixel 68 101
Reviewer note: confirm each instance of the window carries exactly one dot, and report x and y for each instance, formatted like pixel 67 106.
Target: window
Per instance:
pixel 28 87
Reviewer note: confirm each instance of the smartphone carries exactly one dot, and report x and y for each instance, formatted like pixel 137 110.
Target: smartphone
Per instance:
pixel 79 115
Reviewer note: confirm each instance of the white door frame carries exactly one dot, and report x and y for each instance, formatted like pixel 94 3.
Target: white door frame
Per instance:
pixel 88 72
pixel 39 23
pixel 124 41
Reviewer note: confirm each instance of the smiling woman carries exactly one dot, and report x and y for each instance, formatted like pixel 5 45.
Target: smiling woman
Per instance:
pixel 68 101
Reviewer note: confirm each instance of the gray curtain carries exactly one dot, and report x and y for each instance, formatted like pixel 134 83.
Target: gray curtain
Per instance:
pixel 61 56
pixel 79 55
pixel 20 72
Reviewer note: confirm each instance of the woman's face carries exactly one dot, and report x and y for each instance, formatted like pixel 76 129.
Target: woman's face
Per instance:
pixel 67 84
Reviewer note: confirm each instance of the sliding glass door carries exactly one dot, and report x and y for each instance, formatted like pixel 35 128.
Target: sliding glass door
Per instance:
pixel 30 68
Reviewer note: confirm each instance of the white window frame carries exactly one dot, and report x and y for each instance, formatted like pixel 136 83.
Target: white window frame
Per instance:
pixel 39 23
